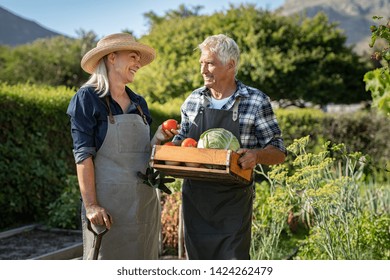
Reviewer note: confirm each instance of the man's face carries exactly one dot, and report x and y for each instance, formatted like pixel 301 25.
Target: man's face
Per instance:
pixel 214 73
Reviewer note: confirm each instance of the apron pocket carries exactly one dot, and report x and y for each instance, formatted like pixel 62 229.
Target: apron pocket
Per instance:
pixel 129 203
pixel 137 143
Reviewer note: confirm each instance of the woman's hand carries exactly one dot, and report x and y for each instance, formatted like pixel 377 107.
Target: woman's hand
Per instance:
pixel 98 215
pixel 163 135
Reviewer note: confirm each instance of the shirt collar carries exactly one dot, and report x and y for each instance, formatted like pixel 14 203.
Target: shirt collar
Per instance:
pixel 240 91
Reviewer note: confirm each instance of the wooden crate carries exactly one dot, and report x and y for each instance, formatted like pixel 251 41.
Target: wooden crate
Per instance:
pixel 214 164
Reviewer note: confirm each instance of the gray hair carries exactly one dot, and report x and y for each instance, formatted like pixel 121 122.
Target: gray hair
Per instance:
pixel 99 79
pixel 224 47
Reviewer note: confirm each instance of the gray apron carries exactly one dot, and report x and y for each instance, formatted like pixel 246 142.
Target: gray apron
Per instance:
pixel 134 206
pixel 217 217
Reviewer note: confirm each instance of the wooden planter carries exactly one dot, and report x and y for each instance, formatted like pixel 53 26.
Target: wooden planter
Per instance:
pixel 199 164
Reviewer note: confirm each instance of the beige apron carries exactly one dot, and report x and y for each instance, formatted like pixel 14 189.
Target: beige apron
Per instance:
pixel 134 206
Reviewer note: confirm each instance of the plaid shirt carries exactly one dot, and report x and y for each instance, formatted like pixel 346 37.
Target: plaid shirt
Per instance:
pixel 258 125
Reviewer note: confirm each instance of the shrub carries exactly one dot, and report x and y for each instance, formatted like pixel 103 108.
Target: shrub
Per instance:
pixel 65 211
pixel 35 150
pixel 327 195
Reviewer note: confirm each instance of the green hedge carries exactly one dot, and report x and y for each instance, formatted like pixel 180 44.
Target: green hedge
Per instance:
pixel 36 147
pixel 35 150
pixel 364 131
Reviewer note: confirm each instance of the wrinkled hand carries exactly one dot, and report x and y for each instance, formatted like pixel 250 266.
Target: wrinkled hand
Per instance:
pixel 248 158
pixel 98 215
pixel 155 179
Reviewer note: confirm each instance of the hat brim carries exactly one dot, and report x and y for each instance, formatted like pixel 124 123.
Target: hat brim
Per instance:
pixel 91 59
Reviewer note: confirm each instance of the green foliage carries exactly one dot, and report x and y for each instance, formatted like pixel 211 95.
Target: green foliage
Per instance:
pixel 370 133
pixel 297 123
pixel 36 146
pixel 378 80
pixel 378 83
pixel 325 193
pixel 35 149
pixel 269 223
pixel 54 61
pixel 367 132
pixel 275 51
pixel 65 211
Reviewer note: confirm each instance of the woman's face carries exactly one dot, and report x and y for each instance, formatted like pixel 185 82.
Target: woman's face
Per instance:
pixel 124 65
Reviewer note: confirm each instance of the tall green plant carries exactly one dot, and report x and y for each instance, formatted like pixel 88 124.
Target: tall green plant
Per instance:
pixel 325 194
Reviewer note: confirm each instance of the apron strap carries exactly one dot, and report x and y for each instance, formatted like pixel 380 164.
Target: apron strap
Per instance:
pixel 142 114
pixel 110 116
pixel 205 102
pixel 235 109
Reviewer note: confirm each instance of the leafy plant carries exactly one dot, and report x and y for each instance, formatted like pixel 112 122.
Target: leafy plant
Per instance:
pixel 274 51
pixel 326 195
pixel 378 80
pixel 64 212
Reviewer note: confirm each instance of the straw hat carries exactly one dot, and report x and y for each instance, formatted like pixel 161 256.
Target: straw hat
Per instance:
pixel 112 43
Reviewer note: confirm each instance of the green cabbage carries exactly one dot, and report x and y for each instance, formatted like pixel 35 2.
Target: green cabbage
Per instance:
pixel 218 138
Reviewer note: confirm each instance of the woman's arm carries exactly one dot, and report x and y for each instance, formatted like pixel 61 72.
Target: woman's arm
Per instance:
pixel 86 177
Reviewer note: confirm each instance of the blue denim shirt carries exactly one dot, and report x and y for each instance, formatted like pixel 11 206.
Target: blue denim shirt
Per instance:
pixel 88 119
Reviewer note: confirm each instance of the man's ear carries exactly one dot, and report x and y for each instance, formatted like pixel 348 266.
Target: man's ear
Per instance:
pixel 232 64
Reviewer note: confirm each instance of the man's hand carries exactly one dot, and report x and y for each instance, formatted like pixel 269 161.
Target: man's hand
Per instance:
pixel 251 157
pixel 248 158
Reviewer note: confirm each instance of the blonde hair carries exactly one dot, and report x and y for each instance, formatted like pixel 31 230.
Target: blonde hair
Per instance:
pixel 99 79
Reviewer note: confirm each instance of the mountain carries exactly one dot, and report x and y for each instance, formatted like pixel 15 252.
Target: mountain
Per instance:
pixel 353 16
pixel 15 30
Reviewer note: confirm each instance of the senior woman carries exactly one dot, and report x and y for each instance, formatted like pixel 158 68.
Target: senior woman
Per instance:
pixel 110 127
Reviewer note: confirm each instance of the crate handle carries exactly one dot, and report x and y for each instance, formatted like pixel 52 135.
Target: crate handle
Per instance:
pixel 228 154
pixel 153 152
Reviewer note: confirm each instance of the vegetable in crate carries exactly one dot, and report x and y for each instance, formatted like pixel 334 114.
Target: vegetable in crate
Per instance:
pixel 190 142
pixel 218 138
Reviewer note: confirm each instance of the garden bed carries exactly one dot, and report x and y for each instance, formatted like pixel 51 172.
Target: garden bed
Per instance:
pixel 36 242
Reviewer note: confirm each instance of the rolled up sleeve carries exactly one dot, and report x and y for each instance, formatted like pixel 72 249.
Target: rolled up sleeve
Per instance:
pixel 83 125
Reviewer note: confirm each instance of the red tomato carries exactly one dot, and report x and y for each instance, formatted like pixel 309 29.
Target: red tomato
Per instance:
pixel 169 144
pixel 169 124
pixel 189 142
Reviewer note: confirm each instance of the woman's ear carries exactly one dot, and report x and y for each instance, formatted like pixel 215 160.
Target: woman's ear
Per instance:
pixel 111 57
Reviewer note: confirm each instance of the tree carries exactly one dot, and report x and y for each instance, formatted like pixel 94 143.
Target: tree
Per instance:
pixel 286 57
pixel 54 61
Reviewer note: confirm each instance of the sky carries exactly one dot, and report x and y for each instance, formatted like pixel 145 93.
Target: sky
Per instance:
pixel 104 17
